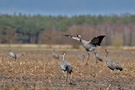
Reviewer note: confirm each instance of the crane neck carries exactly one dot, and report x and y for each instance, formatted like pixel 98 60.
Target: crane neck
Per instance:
pixel 80 39
pixel 63 57
pixel 106 55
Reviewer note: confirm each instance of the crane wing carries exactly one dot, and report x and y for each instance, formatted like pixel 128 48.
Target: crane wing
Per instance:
pixel 73 37
pixel 118 66
pixel 97 40
pixel 12 54
pixel 64 64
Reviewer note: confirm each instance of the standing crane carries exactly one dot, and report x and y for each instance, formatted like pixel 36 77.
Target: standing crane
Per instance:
pixel 56 56
pixel 89 46
pixel 98 58
pixel 112 64
pixel 12 54
pixel 65 66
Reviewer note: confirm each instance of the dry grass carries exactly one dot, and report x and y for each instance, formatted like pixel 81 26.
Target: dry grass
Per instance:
pixel 38 70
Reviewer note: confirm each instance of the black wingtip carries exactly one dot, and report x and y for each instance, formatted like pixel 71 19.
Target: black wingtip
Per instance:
pixel 67 36
pixel 100 39
pixel 101 36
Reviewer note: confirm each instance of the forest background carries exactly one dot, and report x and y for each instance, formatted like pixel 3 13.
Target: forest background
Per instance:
pixel 41 29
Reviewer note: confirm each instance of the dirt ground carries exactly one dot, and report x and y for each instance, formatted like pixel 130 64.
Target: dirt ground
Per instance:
pixel 38 70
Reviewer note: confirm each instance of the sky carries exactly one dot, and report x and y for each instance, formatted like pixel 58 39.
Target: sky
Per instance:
pixel 67 7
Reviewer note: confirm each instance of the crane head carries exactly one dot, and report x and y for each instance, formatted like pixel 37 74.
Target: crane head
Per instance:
pixel 106 50
pixel 64 53
pixel 79 36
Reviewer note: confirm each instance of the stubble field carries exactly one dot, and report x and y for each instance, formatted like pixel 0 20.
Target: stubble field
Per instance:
pixel 38 70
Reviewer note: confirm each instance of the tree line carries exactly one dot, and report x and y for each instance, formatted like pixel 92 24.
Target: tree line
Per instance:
pixel 39 29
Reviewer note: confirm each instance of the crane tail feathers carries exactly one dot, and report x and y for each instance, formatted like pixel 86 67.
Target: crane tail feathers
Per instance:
pixel 70 72
pixel 121 69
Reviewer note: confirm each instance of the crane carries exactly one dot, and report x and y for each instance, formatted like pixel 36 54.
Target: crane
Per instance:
pixel 89 46
pixel 112 64
pixel 65 66
pixel 56 56
pixel 12 54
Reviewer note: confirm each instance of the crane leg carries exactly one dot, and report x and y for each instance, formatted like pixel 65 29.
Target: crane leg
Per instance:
pixel 96 61
pixel 87 59
pixel 67 77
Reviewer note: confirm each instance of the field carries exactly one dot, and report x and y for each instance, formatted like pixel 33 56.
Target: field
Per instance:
pixel 38 70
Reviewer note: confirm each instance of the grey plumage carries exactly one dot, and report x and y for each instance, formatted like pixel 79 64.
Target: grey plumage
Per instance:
pixel 56 56
pixel 98 58
pixel 12 54
pixel 112 64
pixel 91 45
pixel 65 66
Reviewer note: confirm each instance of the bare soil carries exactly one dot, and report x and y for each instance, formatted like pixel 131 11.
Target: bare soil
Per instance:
pixel 38 70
